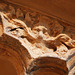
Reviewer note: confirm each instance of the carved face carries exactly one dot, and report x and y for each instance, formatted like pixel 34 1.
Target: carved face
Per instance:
pixel 40 32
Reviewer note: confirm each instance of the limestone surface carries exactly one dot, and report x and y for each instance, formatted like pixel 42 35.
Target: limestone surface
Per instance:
pixel 37 44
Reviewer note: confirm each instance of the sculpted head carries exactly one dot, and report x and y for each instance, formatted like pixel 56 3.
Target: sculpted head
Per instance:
pixel 40 31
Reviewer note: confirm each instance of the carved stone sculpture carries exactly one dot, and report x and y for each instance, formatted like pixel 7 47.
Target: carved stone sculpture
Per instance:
pixel 34 43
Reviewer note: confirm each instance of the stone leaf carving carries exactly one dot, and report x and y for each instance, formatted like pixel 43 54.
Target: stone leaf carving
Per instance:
pixel 39 35
pixel 37 40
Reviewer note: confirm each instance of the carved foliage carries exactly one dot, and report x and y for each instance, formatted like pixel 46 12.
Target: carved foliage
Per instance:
pixel 39 34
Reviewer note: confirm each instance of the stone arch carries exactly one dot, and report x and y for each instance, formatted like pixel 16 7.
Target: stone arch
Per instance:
pixel 6 67
pixel 12 58
pixel 48 66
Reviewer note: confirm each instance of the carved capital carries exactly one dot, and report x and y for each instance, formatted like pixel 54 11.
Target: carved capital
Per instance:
pixel 36 38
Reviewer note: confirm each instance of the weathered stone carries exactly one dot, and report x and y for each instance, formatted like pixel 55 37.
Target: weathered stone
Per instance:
pixel 36 44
